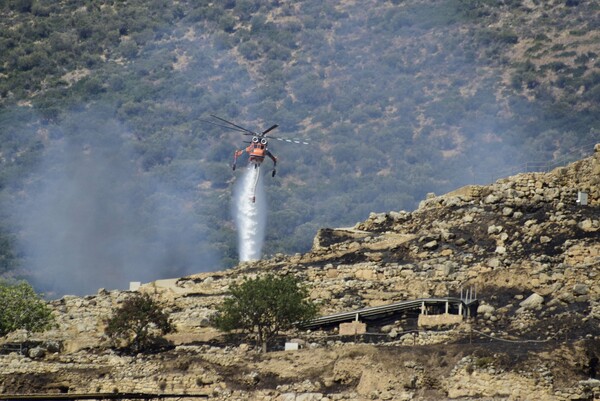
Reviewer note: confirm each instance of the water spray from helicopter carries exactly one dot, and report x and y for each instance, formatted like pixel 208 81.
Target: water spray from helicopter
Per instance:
pixel 250 214
pixel 249 195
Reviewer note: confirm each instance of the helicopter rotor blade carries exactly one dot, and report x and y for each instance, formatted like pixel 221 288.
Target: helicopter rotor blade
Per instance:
pixel 235 125
pixel 269 129
pixel 245 131
pixel 226 126
pixel 293 140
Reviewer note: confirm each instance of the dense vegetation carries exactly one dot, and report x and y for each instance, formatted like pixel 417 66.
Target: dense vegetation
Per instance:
pixel 398 99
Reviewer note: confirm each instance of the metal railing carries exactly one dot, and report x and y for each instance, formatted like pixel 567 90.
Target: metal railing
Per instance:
pixel 10 348
pixel 374 312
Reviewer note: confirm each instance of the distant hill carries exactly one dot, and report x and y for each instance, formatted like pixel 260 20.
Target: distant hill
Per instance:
pixel 105 162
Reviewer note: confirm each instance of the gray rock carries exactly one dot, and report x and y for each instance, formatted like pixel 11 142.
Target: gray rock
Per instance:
pixel 483 309
pixel 533 301
pixel 491 199
pixel 494 229
pixel 567 297
pixel 447 268
pixel 431 245
pixel 53 346
pixel 309 397
pixel 453 201
pixel 37 352
pixel 460 242
pixel 400 216
pixel 494 263
pixel 588 225
pixel 580 289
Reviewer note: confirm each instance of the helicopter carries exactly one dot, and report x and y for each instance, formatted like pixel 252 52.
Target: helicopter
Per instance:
pixel 257 149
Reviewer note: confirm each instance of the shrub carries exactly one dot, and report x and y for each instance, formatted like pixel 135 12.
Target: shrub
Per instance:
pixel 249 50
pixel 265 306
pixel 227 23
pixel 23 6
pixel 139 324
pixel 22 308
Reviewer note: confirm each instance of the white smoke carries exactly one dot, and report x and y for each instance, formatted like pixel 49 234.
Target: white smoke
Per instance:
pixel 89 217
pixel 250 217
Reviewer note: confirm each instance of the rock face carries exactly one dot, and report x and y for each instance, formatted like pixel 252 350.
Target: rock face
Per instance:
pixel 523 245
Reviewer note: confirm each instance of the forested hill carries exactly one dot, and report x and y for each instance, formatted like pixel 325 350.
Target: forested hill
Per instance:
pixel 108 173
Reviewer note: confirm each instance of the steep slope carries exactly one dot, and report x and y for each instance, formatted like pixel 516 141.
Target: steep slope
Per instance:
pixel 398 99
pixel 531 251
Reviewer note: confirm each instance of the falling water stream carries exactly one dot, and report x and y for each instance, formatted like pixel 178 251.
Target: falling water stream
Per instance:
pixel 250 214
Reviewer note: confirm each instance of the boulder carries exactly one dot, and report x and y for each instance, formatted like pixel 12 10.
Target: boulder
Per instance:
pixel 431 245
pixel 580 289
pixel 534 301
pixel 485 309
pixel 37 352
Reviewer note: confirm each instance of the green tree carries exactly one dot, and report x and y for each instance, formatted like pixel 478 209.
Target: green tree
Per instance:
pixel 22 308
pixel 265 306
pixel 139 324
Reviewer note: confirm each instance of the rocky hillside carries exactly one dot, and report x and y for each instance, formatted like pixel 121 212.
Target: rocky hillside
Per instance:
pixel 528 249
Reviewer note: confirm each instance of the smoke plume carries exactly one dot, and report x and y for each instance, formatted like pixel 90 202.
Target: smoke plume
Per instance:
pixel 90 218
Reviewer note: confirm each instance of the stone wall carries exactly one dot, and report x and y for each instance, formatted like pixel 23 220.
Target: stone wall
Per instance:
pixel 352 328
pixel 445 319
pixel 558 186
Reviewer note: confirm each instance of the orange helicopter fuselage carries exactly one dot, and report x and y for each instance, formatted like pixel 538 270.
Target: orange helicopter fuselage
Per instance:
pixel 256 152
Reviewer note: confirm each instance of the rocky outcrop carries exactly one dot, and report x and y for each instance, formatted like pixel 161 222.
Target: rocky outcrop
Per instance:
pixel 523 244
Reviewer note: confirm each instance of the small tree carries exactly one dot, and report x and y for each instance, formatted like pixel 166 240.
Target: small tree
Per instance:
pixel 138 324
pixel 265 306
pixel 22 308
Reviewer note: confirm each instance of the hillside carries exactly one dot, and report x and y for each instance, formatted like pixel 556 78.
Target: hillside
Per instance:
pixel 102 139
pixel 528 248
